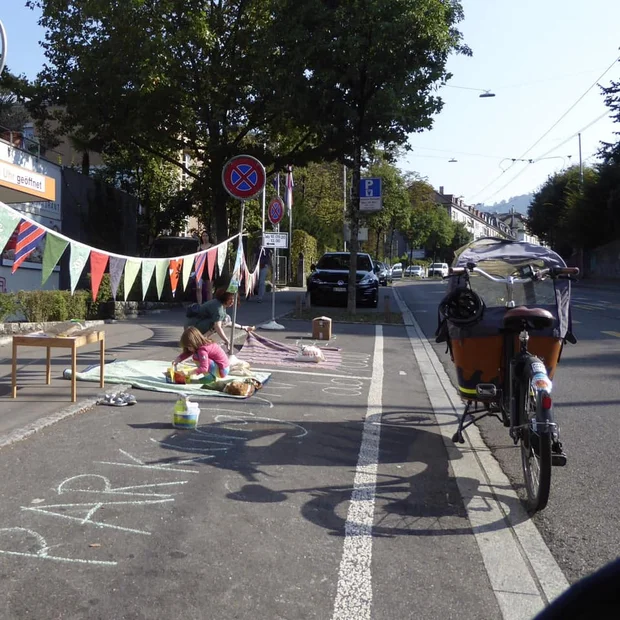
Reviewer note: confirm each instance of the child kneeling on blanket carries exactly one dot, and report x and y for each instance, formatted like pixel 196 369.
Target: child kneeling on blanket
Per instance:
pixel 210 359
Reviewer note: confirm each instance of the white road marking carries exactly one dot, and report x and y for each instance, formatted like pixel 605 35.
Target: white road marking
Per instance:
pixel 310 374
pixel 531 578
pixel 354 592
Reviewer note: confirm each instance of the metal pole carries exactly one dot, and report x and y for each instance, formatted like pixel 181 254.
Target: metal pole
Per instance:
pixel 263 220
pixel 4 46
pixel 344 204
pixel 580 160
pixel 275 279
pixel 290 246
pixel 234 317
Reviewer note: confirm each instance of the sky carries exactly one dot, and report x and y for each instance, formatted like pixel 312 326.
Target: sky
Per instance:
pixel 539 57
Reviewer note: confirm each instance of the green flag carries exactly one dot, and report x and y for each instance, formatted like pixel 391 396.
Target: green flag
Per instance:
pixel 161 271
pixel 148 267
pixel 54 247
pixel 132 267
pixel 9 219
pixel 79 258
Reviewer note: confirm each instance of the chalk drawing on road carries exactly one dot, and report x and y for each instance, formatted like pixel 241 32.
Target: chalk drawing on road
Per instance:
pixel 238 423
pixel 105 486
pixel 42 549
pixel 141 465
pixel 355 361
pixel 91 509
pixel 182 448
pixel 344 387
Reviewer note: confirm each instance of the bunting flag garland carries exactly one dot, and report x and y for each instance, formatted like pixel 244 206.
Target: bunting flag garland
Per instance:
pixel 117 264
pixel 98 263
pixel 132 267
pixel 188 263
pixel 54 249
pixel 161 270
pixel 221 256
pixel 174 271
pixel 199 265
pixel 248 281
pixel 79 257
pixel 29 236
pixel 9 219
pixel 211 257
pixel 148 267
pixel 235 279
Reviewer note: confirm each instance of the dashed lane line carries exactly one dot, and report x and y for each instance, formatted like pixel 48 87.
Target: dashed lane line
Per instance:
pixel 615 334
pixel 522 571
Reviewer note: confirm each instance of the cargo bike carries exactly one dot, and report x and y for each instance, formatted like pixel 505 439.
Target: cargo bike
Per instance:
pixel 505 318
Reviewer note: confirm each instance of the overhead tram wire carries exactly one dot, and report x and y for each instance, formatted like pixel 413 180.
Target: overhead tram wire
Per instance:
pixel 546 132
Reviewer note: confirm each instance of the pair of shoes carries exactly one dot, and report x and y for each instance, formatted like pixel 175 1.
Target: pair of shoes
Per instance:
pixel 121 399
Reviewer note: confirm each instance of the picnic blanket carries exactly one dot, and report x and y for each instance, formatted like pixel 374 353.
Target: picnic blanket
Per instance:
pixel 149 375
pixel 261 351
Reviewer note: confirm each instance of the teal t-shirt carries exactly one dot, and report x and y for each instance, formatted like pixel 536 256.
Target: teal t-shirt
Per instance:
pixel 210 313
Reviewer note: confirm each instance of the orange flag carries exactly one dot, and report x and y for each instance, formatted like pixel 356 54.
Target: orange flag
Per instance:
pixel 98 263
pixel 176 264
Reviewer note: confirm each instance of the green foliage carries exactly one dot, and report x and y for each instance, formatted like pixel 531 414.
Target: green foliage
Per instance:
pixel 8 305
pixel 306 244
pixel 44 306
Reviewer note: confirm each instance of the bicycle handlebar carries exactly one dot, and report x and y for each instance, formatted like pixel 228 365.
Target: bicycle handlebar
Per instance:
pixel 554 272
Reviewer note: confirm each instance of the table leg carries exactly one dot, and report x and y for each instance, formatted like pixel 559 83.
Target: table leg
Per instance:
pixel 48 368
pixel 73 372
pixel 102 361
pixel 14 372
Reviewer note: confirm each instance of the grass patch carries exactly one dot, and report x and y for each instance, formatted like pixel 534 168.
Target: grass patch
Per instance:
pixel 338 315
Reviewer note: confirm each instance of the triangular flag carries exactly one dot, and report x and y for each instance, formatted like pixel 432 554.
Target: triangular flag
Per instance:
pixel 116 271
pixel 188 263
pixel 132 267
pixel 9 219
pixel 161 270
pixel 29 236
pixel 54 248
pixel 235 279
pixel 174 272
pixel 211 257
pixel 98 263
pixel 199 265
pixel 221 256
pixel 246 275
pixel 79 257
pixel 148 267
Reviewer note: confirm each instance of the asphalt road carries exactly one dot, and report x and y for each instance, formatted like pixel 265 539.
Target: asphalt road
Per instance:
pixel 581 524
pixel 263 512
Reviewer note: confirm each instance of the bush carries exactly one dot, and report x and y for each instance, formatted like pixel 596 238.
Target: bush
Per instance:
pixel 44 306
pixel 8 305
pixel 306 244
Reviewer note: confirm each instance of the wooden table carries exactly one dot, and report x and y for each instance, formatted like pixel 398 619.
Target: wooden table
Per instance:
pixel 73 342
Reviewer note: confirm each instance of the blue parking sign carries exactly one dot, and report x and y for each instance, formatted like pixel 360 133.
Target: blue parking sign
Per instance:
pixel 370 194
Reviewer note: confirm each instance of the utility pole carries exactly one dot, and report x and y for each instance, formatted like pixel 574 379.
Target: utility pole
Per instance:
pixel 580 161
pixel 344 205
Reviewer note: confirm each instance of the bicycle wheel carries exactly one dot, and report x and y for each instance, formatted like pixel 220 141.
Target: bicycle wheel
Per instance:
pixel 535 453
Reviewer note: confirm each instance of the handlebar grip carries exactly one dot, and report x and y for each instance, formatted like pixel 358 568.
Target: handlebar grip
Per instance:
pixel 566 271
pixel 456 271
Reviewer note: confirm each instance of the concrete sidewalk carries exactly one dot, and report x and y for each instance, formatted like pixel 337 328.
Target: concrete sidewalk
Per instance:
pixel 153 336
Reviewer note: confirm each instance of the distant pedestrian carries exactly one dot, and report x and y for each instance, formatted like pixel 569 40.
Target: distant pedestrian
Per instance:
pixel 204 291
pixel 264 265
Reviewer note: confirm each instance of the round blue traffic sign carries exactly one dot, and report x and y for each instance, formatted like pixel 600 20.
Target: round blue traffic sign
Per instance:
pixel 243 177
pixel 275 213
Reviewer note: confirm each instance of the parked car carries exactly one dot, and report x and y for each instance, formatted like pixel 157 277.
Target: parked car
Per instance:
pixel 397 270
pixel 415 271
pixel 330 276
pixel 384 273
pixel 438 269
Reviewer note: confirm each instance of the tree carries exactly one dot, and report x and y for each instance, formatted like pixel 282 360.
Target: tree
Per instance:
pixel 12 115
pixel 371 71
pixel 394 213
pixel 461 237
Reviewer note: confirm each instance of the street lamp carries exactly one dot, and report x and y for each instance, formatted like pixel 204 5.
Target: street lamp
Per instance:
pixel 485 93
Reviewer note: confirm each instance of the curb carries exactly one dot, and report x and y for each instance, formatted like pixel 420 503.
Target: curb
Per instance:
pixel 80 407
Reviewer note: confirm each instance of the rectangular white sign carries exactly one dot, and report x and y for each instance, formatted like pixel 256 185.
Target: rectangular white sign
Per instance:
pixel 275 240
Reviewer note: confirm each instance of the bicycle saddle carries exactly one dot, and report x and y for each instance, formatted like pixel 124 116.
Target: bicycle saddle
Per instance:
pixel 534 318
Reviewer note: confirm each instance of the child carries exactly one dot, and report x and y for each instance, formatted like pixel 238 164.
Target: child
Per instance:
pixel 209 357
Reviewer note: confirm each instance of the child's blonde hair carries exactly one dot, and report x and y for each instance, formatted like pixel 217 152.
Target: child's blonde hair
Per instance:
pixel 192 339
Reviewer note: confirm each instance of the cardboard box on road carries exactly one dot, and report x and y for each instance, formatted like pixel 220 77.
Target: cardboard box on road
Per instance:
pixel 322 328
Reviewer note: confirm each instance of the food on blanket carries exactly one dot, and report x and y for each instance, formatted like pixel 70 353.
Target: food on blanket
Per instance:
pixel 310 353
pixel 180 376
pixel 245 387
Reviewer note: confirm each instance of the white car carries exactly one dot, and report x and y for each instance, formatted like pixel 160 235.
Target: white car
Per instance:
pixel 415 271
pixel 397 271
pixel 438 269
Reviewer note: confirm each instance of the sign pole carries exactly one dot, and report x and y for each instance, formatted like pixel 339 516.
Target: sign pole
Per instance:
pixel 234 317
pixel 273 324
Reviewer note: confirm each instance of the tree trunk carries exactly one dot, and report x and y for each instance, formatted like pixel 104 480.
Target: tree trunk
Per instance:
pixel 379 233
pixel 391 243
pixel 355 227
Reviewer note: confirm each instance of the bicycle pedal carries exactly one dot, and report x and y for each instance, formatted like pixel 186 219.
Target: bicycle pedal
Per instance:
pixel 558 460
pixel 486 389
